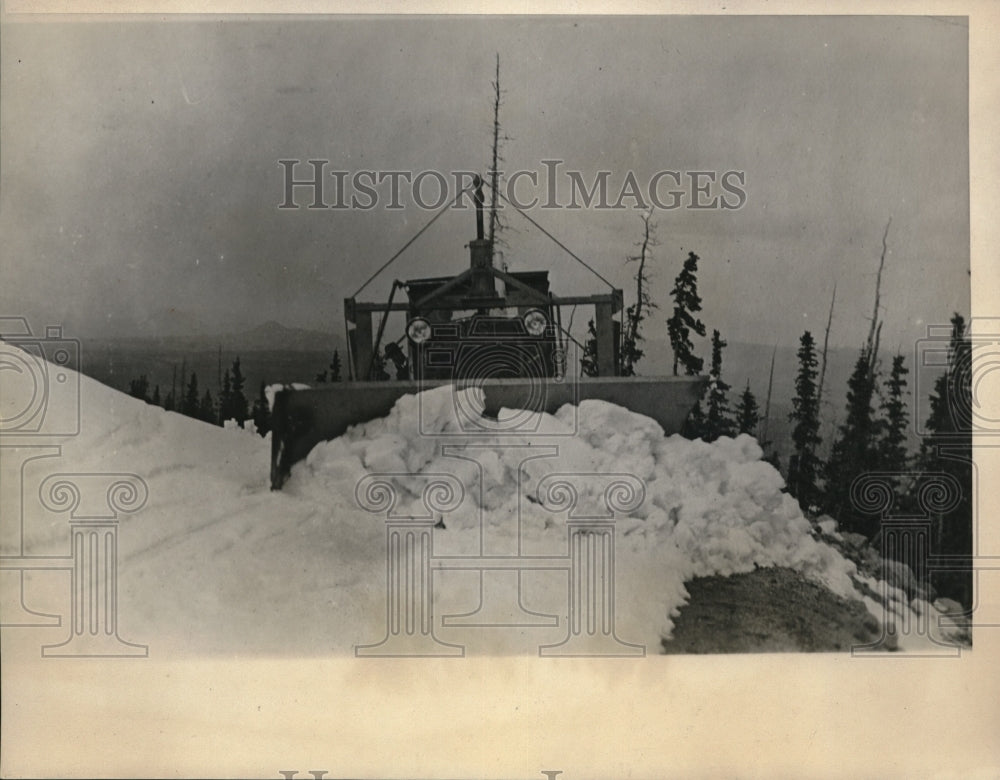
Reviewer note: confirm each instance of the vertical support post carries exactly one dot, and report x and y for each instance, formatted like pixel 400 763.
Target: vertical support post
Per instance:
pixel 362 345
pixel 604 326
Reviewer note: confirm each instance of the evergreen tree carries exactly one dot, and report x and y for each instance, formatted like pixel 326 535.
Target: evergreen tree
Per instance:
pixel 803 467
pixel 951 398
pixel 262 412
pixel 747 413
pixel 948 448
pixel 139 388
pixel 855 449
pixel 891 444
pixel 226 399
pixel 588 360
pixel 238 401
pixel 191 405
pixel 694 424
pixel 718 418
pixel 332 372
pixel 207 410
pixel 683 321
pixel 335 368
pixel 155 400
pixel 170 402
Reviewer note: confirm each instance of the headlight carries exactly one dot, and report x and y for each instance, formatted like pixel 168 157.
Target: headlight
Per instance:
pixel 535 322
pixel 418 330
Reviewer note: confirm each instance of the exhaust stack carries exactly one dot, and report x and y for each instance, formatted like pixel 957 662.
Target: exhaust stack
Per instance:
pixel 481 252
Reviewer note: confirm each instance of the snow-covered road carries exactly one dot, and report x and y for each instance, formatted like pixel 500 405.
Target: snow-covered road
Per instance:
pixel 217 563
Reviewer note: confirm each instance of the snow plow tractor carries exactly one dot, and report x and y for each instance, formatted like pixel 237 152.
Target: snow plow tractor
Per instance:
pixel 497 333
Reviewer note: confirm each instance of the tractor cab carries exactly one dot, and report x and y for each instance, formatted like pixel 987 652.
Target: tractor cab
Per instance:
pixel 495 330
pixel 483 322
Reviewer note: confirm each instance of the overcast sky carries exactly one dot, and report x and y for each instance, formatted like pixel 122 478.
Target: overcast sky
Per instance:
pixel 140 180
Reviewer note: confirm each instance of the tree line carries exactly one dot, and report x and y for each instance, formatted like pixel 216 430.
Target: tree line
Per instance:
pixel 872 438
pixel 230 402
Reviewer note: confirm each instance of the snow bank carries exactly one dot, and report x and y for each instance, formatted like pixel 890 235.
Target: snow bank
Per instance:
pixel 216 562
pixel 709 508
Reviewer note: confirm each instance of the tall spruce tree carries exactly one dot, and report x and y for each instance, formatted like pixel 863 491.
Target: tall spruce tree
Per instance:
pixel 747 413
pixel 694 423
pixel 206 409
pixel 335 367
pixel 683 321
pixel 891 444
pixel 226 399
pixel 588 360
pixel 947 448
pixel 238 401
pixel 718 416
pixel 191 404
pixel 155 400
pixel 804 467
pixel 854 450
pixel 139 388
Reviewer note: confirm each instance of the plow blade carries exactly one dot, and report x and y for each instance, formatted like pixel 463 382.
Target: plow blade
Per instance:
pixel 301 419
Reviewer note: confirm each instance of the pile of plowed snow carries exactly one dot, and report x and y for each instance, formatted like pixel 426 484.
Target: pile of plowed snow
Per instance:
pixel 216 562
pixel 709 508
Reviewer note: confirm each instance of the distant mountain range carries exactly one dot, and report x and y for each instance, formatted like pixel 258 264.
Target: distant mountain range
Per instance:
pixel 269 353
pixel 269 336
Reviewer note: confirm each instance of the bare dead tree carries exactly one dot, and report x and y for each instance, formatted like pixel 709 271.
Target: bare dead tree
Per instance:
pixel 826 343
pixel 497 225
pixel 767 401
pixel 875 331
pixel 643 303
